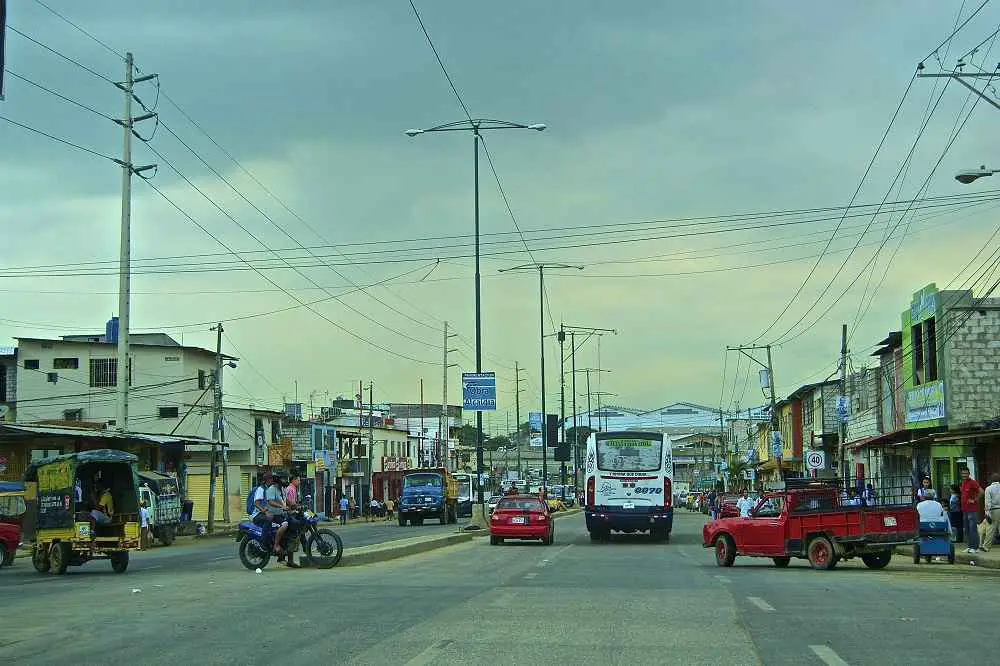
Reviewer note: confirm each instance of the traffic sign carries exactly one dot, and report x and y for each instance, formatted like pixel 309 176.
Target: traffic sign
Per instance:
pixel 479 391
pixel 815 459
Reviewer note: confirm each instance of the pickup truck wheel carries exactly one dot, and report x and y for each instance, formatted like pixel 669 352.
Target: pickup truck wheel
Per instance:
pixel 725 551
pixel 916 553
pixel 781 562
pixel 877 560
pixel 821 554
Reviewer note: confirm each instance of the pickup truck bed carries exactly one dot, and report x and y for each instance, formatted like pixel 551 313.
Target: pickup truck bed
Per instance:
pixel 812 525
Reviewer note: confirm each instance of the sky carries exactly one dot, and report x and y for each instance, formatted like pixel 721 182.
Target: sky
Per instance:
pixel 664 121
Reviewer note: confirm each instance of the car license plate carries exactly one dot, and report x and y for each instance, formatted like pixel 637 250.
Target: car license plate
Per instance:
pixel 889 521
pixel 628 505
pixel 518 520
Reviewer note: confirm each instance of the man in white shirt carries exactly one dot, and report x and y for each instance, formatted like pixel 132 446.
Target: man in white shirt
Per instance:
pixel 930 509
pixel 991 500
pixel 745 504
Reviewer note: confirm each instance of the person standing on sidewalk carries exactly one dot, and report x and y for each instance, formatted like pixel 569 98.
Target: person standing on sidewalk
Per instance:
pixel 955 512
pixel 992 502
pixel 971 494
pixel 344 506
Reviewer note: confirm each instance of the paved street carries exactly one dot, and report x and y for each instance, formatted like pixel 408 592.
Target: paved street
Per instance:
pixel 575 602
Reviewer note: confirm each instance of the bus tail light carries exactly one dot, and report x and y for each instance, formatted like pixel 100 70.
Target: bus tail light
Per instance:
pixel 591 486
pixel 668 497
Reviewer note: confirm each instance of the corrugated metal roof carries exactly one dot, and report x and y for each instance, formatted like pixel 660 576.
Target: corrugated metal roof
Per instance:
pixel 101 434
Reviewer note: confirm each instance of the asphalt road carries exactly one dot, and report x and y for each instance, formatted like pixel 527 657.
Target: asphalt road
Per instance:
pixel 191 554
pixel 576 602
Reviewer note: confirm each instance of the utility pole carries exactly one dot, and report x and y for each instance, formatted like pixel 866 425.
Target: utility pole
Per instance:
pixel 443 430
pixel 123 372
pixel 576 425
pixel 562 405
pixel 517 414
pixel 371 437
pixel 843 399
pixel 218 439
pixel 775 422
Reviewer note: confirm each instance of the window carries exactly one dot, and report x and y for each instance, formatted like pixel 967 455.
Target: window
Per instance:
pixel 52 377
pixel 65 364
pixel 202 380
pixel 275 431
pixel 3 383
pixel 167 412
pixel 931 336
pixel 103 372
pixel 72 415
pixel 31 364
pixel 917 345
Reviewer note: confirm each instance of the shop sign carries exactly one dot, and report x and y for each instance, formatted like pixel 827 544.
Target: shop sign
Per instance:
pixel 395 464
pixel 925 402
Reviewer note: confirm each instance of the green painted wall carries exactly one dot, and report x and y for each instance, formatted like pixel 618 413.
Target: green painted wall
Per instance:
pixel 920 403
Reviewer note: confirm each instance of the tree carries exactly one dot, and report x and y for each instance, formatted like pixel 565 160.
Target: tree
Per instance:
pixel 467 436
pixel 496 443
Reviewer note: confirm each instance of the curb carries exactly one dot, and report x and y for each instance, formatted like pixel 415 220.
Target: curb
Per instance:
pixel 960 558
pixel 394 550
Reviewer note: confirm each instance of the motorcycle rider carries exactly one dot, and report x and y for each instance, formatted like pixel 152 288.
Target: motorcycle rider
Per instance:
pixel 276 504
pixel 291 500
pixel 261 515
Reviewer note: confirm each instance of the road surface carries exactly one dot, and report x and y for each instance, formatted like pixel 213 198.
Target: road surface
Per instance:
pixel 576 602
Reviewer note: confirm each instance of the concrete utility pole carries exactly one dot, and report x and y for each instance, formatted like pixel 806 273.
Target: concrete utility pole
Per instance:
pixel 443 430
pixel 590 331
pixel 562 405
pixel 218 439
pixel 517 414
pixel 123 372
pixel 843 394
pixel 371 438
pixel 775 422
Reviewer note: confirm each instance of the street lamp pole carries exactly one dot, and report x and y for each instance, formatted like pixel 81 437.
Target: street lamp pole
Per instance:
pixel 540 267
pixel 476 126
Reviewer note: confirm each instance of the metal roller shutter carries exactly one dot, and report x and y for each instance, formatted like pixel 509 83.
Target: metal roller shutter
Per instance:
pixel 244 491
pixel 197 492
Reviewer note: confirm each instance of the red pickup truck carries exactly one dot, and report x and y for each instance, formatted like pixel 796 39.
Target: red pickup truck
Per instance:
pixel 810 522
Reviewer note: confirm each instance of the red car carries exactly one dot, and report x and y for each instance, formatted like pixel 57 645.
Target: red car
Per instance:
pixel 521 517
pixel 727 506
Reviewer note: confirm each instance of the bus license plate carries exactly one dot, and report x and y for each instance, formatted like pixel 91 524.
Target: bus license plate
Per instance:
pixel 518 520
pixel 628 505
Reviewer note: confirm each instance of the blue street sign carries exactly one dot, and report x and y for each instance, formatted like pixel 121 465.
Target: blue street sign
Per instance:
pixel 479 391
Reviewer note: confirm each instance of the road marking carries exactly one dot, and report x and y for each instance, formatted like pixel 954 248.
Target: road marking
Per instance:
pixel 155 566
pixel 530 575
pixel 723 579
pixel 682 553
pixel 827 655
pixel 429 655
pixel 760 603
pixel 224 557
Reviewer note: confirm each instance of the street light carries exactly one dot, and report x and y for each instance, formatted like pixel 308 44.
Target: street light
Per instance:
pixel 541 325
pixel 969 175
pixel 477 126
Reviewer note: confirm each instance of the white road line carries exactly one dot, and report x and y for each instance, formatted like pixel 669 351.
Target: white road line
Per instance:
pixel 155 566
pixel 760 603
pixel 224 557
pixel 530 575
pixel 827 655
pixel 723 579
pixel 430 655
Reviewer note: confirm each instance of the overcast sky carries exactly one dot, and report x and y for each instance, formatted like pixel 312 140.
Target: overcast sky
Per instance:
pixel 655 111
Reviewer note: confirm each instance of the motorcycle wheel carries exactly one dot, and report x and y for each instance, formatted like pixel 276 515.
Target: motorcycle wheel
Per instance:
pixel 253 554
pixel 324 548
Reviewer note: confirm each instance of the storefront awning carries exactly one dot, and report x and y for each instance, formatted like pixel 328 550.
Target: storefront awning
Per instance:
pixel 883 439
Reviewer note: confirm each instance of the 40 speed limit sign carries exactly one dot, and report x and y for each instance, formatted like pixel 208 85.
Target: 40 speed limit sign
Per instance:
pixel 815 459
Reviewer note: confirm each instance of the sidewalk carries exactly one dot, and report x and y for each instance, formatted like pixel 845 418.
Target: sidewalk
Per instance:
pixel 987 560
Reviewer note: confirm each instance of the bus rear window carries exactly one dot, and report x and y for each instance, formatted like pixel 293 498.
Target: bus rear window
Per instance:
pixel 629 455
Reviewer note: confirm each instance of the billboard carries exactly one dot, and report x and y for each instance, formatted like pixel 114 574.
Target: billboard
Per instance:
pixel 535 429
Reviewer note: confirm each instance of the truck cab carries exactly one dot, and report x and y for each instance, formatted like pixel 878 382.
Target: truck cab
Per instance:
pixel 428 493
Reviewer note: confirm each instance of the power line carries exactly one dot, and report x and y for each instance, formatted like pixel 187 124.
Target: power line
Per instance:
pixel 91 36
pixel 53 137
pixel 444 70
pixel 60 95
pixel 61 55
pixel 857 191
pixel 956 30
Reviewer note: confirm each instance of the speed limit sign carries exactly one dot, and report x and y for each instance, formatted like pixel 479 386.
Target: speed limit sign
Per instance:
pixel 815 459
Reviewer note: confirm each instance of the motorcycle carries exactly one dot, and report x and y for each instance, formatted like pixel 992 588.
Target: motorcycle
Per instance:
pixel 321 547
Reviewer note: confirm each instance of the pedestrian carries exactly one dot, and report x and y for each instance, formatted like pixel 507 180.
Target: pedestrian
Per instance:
pixel 144 536
pixel 955 512
pixel 869 497
pixel 992 506
pixel 713 508
pixel 925 485
pixel 744 504
pixel 344 506
pixel 390 506
pixel 971 494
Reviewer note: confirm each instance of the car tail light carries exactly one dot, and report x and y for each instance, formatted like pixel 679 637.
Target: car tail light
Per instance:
pixel 542 517
pixel 591 485
pixel 668 498
pixel 495 516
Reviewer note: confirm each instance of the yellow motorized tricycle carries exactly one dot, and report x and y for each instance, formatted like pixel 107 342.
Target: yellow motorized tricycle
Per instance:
pixel 87 509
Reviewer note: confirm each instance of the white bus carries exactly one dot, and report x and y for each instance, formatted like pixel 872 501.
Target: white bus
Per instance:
pixel 629 481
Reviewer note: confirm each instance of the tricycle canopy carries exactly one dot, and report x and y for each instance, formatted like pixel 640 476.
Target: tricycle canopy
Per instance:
pixel 57 477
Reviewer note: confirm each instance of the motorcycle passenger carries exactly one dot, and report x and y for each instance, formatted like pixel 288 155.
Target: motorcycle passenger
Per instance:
pixel 261 516
pixel 291 502
pixel 276 504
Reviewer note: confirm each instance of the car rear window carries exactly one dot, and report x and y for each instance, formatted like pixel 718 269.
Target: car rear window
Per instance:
pixel 521 505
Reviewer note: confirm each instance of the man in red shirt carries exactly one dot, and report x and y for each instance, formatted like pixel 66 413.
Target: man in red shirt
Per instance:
pixel 971 494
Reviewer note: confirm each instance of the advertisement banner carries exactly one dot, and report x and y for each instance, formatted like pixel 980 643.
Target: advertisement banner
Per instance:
pixel 925 402
pixel 535 429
